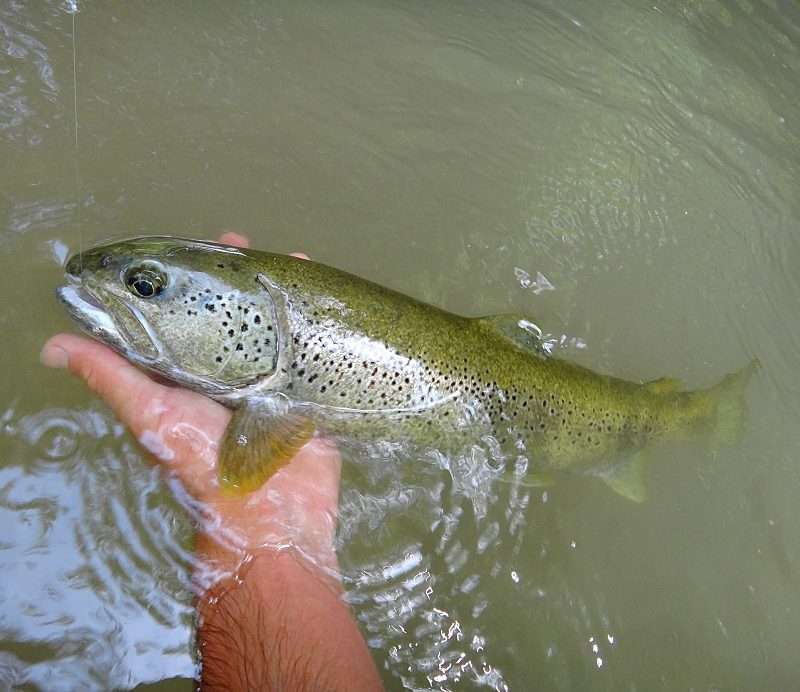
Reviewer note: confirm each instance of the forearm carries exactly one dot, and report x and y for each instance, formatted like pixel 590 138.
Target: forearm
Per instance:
pixel 281 626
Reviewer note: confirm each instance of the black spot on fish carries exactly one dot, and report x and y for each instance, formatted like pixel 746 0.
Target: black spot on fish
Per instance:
pixel 239 347
pixel 257 319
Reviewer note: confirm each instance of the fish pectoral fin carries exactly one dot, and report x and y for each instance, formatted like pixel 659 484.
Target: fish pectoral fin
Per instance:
pixel 261 438
pixel 518 329
pixel 627 478
pixel 663 385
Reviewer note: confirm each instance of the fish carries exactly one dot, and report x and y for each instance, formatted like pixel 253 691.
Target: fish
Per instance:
pixel 297 348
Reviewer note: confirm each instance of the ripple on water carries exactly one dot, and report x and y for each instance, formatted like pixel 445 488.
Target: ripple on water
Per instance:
pixel 97 554
pixel 29 90
pixel 434 563
pixel 425 600
pixel 55 435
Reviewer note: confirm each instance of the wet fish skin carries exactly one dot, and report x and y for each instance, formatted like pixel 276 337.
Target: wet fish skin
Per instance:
pixel 256 330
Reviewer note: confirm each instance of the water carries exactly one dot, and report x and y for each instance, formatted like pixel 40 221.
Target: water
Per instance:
pixel 626 173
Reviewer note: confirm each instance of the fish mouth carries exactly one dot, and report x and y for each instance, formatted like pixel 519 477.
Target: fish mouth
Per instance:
pixel 128 334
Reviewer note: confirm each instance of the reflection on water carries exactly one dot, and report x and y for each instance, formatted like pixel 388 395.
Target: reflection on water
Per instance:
pixel 90 565
pixel 623 172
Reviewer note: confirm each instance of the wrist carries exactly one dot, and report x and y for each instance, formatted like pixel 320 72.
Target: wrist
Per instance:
pixel 279 622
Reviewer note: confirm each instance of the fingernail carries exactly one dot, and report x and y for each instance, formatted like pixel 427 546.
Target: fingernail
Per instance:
pixel 54 357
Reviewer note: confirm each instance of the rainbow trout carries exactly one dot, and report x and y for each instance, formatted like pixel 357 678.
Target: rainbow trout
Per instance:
pixel 296 347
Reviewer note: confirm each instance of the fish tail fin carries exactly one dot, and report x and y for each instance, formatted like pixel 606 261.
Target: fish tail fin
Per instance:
pixel 727 419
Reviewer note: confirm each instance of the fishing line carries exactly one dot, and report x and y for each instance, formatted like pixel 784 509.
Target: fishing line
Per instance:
pixel 72 6
pixel 74 9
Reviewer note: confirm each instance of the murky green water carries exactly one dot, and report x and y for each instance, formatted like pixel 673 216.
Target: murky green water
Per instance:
pixel 628 173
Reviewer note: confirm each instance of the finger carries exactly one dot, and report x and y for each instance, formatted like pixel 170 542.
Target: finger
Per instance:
pixel 139 402
pixel 107 374
pixel 235 239
pixel 239 240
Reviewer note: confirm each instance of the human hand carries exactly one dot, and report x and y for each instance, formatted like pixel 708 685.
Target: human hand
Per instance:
pixel 281 627
pixel 182 431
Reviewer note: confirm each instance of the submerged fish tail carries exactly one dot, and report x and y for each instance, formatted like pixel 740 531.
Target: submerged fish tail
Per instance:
pixel 729 407
pixel 717 412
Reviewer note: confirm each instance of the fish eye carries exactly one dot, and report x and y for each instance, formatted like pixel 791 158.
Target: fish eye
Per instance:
pixel 145 280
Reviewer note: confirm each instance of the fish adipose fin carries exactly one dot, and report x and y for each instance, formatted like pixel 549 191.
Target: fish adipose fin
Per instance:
pixel 261 438
pixel 517 329
pixel 627 478
pixel 729 409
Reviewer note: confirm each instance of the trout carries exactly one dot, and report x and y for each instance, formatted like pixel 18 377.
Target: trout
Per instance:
pixel 297 348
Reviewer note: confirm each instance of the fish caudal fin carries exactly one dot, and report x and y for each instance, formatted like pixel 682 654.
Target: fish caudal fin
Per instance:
pixel 260 439
pixel 727 419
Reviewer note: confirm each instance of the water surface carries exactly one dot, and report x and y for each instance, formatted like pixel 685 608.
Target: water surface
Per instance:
pixel 624 172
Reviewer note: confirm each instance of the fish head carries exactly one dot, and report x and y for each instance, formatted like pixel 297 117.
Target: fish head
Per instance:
pixel 191 311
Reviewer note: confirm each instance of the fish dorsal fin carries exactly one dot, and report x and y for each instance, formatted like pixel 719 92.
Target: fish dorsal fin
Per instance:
pixel 627 478
pixel 517 329
pixel 663 385
pixel 263 436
